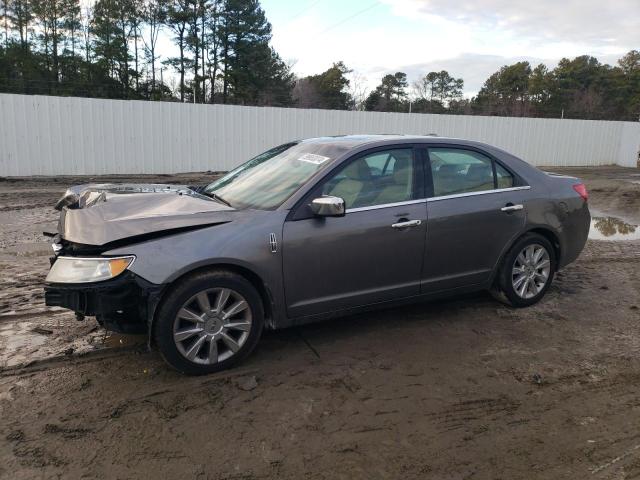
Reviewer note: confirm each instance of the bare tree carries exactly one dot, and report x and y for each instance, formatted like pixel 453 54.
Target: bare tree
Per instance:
pixel 86 17
pixel 136 26
pixel 5 21
pixel 305 93
pixel 358 90
pixel 211 33
pixel 424 88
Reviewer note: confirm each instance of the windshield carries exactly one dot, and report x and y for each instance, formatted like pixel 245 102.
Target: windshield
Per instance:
pixel 266 181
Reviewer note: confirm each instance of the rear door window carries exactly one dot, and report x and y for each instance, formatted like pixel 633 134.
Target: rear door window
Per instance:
pixel 503 177
pixel 457 171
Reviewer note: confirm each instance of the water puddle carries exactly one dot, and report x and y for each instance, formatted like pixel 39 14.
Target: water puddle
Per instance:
pixel 19 342
pixel 52 336
pixel 612 228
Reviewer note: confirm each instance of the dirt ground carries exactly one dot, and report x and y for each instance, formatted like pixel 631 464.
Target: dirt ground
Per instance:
pixel 457 389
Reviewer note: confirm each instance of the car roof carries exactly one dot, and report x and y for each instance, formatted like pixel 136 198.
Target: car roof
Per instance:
pixel 352 141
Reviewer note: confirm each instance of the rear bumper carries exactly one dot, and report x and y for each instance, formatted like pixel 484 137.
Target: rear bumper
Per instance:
pixel 123 304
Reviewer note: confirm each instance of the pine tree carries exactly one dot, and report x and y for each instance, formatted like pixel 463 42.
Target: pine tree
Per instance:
pixel 251 70
pixel 325 90
pixel 21 15
pixel 56 22
pixel 154 14
pixel 390 95
pixel 111 29
pixel 178 22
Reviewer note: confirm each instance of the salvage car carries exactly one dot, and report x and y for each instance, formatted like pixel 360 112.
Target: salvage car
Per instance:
pixel 308 230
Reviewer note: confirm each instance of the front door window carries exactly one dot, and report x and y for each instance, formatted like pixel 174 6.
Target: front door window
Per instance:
pixel 376 179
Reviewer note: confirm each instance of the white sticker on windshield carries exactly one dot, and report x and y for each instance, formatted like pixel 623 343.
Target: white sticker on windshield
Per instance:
pixel 313 158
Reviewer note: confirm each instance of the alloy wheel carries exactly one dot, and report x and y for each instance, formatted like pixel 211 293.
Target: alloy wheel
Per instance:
pixel 530 271
pixel 212 326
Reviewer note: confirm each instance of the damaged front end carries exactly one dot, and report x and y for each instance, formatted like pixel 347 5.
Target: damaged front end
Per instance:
pixel 120 300
pixel 122 305
pixel 97 218
pixel 83 196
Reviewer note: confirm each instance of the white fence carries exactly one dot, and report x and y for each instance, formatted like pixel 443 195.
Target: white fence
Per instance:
pixel 42 135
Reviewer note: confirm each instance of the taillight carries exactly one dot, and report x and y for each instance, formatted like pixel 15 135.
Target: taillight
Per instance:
pixel 582 191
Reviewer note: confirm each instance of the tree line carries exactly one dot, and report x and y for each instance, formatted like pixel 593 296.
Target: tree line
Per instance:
pixel 110 49
pixel 576 88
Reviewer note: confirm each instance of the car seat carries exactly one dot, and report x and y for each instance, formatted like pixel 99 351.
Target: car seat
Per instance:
pixel 446 179
pixel 400 189
pixel 479 177
pixel 350 188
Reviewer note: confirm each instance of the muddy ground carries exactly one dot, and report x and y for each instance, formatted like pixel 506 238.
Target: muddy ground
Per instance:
pixel 465 388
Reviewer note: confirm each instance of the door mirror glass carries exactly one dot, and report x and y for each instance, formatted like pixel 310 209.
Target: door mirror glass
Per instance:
pixel 328 206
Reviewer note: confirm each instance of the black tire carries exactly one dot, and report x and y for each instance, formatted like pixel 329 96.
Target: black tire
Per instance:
pixel 186 289
pixel 504 289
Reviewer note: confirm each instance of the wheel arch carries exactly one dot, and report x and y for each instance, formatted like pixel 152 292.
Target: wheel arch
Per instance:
pixel 553 238
pixel 547 233
pixel 248 274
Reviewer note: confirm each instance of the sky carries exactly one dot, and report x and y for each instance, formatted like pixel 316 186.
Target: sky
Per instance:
pixel 469 38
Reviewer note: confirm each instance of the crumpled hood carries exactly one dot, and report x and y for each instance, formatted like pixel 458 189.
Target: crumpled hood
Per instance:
pixel 85 195
pixel 97 214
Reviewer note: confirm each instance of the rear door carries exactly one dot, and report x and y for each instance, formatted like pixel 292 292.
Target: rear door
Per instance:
pixel 475 208
pixel 374 252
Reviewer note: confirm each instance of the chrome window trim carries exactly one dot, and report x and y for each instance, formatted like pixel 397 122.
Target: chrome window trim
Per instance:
pixel 433 199
pixel 482 192
pixel 385 205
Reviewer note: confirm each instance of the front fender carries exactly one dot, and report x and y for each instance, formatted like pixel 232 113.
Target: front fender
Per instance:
pixel 244 242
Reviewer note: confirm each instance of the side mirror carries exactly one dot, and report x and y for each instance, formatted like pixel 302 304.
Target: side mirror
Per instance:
pixel 328 206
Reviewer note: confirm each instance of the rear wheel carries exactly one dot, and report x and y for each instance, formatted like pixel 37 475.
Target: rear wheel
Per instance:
pixel 209 322
pixel 527 270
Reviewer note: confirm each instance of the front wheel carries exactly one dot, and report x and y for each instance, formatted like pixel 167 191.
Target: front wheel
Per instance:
pixel 209 322
pixel 527 270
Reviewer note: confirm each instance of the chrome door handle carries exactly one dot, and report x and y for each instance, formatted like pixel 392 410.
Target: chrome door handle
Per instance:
pixel 407 223
pixel 511 208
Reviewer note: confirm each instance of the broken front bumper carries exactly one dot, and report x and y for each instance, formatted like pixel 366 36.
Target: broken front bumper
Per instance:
pixel 123 304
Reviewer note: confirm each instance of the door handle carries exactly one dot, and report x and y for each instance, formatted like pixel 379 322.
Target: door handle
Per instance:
pixel 511 208
pixel 406 223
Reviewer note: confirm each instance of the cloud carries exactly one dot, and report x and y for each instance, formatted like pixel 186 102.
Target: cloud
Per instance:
pixel 613 23
pixel 469 38
pixel 368 48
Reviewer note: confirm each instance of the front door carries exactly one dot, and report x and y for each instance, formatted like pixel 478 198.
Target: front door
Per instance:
pixel 374 252
pixel 475 209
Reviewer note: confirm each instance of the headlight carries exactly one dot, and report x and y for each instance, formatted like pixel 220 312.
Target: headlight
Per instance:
pixel 83 270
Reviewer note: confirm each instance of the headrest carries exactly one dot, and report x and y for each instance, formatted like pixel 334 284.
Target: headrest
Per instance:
pixel 448 170
pixel 479 171
pixel 401 170
pixel 358 170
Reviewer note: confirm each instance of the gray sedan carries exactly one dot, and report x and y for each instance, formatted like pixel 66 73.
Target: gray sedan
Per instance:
pixel 309 230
